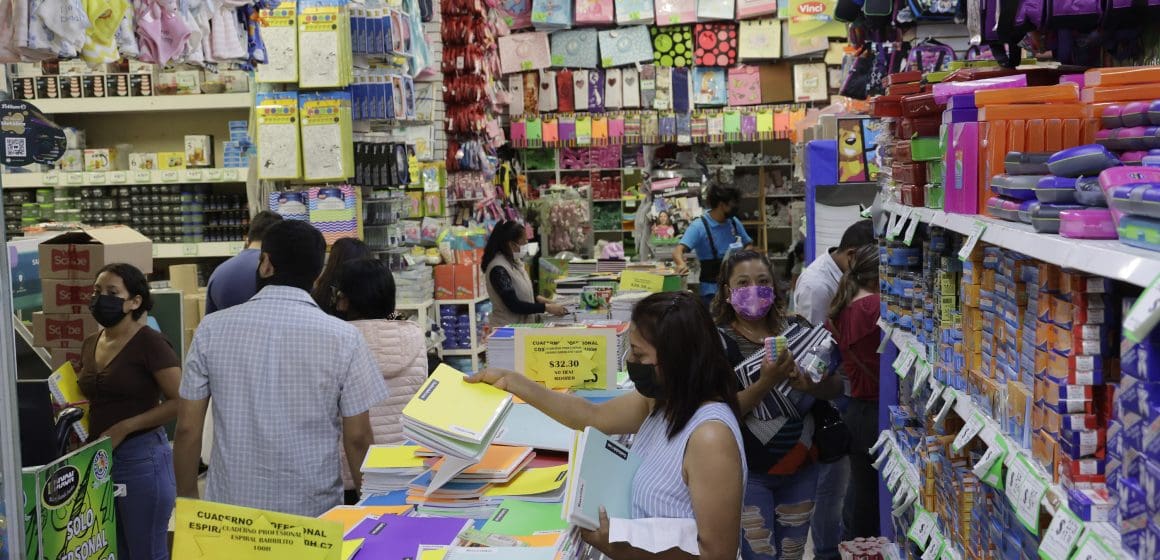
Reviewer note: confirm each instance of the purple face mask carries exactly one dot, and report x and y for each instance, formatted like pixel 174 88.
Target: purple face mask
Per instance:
pixel 752 302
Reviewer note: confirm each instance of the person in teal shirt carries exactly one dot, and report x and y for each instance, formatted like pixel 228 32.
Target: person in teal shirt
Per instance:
pixel 712 237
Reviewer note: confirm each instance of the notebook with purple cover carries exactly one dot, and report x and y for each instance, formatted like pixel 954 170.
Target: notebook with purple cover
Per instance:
pixel 394 537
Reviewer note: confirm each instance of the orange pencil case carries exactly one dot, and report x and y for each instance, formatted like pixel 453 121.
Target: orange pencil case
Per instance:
pixel 1043 111
pixel 1059 93
pixel 1107 94
pixel 1122 76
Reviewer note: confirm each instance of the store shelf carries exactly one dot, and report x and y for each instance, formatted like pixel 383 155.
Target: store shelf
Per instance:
pixel 221 249
pixel 785 195
pixel 115 178
pixel 482 298
pixel 751 165
pixel 203 102
pixel 465 352
pixel 1110 259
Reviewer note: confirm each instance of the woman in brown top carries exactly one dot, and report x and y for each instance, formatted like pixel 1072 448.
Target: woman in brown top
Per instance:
pixel 126 369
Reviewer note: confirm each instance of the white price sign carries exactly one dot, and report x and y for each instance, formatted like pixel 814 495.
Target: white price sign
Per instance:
pixel 95 178
pixel 908 238
pixel 882 439
pixel 118 177
pixel 52 178
pixel 1025 491
pixel 972 240
pixel 213 174
pixel 922 371
pixel 993 455
pixel 905 362
pixel 948 403
pixel 899 223
pixel 1091 547
pixel 170 176
pixel 934 549
pixel 887 332
pixel 923 526
pixel 142 177
pixel 936 392
pixel 1145 313
pixel 74 178
pixel 1061 535
pixel 971 428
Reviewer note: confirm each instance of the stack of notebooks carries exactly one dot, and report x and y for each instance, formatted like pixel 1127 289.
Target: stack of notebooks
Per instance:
pixel 395 537
pixel 390 467
pixel 455 418
pixel 350 516
pixel 622 304
pixel 602 471
pixel 464 494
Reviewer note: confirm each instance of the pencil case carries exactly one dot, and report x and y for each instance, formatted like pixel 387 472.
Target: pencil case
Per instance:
pixel 1061 93
pixel 1120 176
pixel 1021 163
pixel 1121 76
pixel 1154 113
pixel 1134 157
pixel 1135 113
pixel 1020 187
pixel 1045 216
pixel 1150 160
pixel 1003 208
pixel 1081 161
pixel 1055 190
pixel 1137 200
pixel 1110 118
pixel 1139 231
pixel 1137 137
pixel 1089 193
pixel 1025 211
pixel 1090 223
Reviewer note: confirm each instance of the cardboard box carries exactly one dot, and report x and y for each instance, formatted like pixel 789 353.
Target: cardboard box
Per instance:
pixel 55 330
pixel 444 281
pixel 184 277
pixel 80 254
pixel 58 356
pixel 100 159
pixel 66 296
pixel 171 160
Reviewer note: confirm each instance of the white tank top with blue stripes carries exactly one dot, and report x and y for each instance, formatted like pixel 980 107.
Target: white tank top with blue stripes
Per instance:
pixel 658 489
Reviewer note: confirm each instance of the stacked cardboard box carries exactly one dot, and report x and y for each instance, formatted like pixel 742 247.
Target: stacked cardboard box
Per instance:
pixel 69 264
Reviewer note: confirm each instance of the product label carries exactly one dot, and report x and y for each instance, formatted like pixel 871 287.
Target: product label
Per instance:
pixel 568 357
pixel 1144 314
pixel 210 530
pixel 971 428
pixel 972 240
pixel 1061 535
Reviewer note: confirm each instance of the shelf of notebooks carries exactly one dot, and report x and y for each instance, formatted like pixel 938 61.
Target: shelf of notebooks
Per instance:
pixel 157 103
pixel 115 178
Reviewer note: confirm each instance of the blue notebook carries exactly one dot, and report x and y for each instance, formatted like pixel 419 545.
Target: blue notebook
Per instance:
pixel 601 475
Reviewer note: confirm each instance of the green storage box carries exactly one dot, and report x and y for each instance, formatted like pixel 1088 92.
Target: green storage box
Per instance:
pixel 925 148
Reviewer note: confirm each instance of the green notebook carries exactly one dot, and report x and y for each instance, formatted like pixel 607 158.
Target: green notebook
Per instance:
pixel 518 518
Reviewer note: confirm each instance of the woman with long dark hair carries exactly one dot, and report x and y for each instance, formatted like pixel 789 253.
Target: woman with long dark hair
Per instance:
pixel 131 376
pixel 854 322
pixel 782 481
pixel 684 414
pixel 513 298
pixel 326 287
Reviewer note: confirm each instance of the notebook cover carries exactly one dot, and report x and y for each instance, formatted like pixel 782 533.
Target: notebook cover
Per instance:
pixel 516 518
pixel 393 537
pixel 604 474
pixel 447 403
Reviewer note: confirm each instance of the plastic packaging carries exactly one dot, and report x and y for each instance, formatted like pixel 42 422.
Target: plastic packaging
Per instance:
pixel 1045 217
pixel 1060 93
pixel 1024 163
pixel 1111 116
pixel 1092 223
pixel 943 91
pixel 1003 208
pixel 1028 111
pixel 1081 161
pixel 1135 113
pixel 1018 187
pixel 1089 193
pixel 1139 231
pixel 1055 190
pixel 1138 200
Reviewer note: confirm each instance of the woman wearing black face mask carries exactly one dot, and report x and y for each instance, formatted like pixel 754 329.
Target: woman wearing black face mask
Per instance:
pixel 684 414
pixel 131 375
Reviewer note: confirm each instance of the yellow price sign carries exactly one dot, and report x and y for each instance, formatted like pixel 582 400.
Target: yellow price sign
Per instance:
pixel 211 530
pixel 568 358
pixel 639 281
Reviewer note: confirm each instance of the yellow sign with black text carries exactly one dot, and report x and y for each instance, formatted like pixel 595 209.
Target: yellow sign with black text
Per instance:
pixel 568 358
pixel 211 530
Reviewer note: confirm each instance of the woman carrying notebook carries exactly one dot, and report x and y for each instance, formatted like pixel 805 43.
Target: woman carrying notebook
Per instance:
pixel 684 414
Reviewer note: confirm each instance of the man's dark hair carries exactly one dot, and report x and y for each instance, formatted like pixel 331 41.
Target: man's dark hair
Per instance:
pixel 369 287
pixel 296 251
pixel 260 224
pixel 135 285
pixel 722 194
pixel 858 235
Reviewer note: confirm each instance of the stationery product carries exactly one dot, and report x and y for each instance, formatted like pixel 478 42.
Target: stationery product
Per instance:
pixel 566 102
pixel 1018 187
pixel 673 12
pixel 710 87
pixel 672 46
pixel 327 140
pixel 545 484
pixel 524 51
pixel 1091 223
pixel 580 89
pixel 516 104
pixel 648 86
pixel 525 425
pixel 663 100
pixel 1003 208
pixel 1142 199
pixel 1045 216
pixel 551 14
pixel 575 48
pixel 715 9
pixel 1139 231
pixel 596 91
pixel 548 97
pixel 499 464
pixel 613 88
pixel 630 94
pixel 634 12
pixel 279 146
pixel 759 39
pixel 715 44
pixel 324 49
pixel 1055 190
pixel 1081 161
pixel 595 12
pixel 517 14
pixel 682 97
pixel 394 537
pixel 351 516
pixel 516 517
pixel 745 85
pixel 625 45
pixel 601 475
pixel 810 82
pixel 1088 192
pixel 755 8
pixel 390 467
pixel 280 34
pixel 334 210
pixel 66 392
pixel 1021 163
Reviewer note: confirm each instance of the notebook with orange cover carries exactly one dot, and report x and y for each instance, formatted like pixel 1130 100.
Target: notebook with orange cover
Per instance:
pixel 350 516
pixel 500 462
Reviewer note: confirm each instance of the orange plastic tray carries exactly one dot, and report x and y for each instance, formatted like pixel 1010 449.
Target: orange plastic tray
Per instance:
pixel 1059 93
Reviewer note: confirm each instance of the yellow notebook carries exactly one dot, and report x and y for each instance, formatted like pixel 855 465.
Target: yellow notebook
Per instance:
pixel 66 391
pixel 430 552
pixel 446 404
pixel 532 482
pixel 392 457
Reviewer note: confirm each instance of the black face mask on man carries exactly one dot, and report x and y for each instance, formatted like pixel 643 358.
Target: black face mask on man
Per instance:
pixel 107 309
pixel 644 377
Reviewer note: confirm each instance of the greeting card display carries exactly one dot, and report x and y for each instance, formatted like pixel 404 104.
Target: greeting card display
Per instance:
pixel 675 12
pixel 710 87
pixel 810 82
pixel 672 46
pixel 517 14
pixel 745 85
pixel 595 12
pixel 715 44
pixel 575 49
pixel 523 52
pixel 552 14
pixel 625 45
pixel 715 9
pixel 760 39
pixel 634 12
pixel 755 8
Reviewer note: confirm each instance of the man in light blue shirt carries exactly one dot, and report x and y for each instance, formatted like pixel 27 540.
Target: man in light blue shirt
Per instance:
pixel 291 388
pixel 713 237
pixel 235 281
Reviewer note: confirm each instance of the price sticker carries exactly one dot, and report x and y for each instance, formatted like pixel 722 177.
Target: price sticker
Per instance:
pixel 922 371
pixel 899 224
pixel 213 174
pixel 74 178
pixel 971 428
pixel 192 174
pixel 1061 536
pixel 1092 547
pixel 934 550
pixel 634 16
pixel 993 474
pixel 235 247
pixel 118 177
pixel 189 250
pixel 935 393
pixel 948 402
pixel 169 176
pixel 142 177
pixel 912 229
pixel 52 178
pixel 675 19
pixel 539 17
pixel 1025 491
pixel 95 178
pixel 922 527
pixel 972 240
pixel 1144 314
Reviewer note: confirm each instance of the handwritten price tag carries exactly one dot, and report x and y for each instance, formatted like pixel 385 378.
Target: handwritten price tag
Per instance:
pixel 1092 547
pixel 972 240
pixel 936 392
pixel 213 174
pixel 142 177
pixel 935 548
pixel 74 178
pixel 1025 491
pixel 193 175
pixel 948 402
pixel 170 176
pixel 1061 535
pixel 971 428
pixel 922 372
pixel 922 528
pixel 900 222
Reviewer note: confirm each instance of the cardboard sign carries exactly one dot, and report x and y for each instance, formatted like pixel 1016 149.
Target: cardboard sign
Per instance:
pixel 68 506
pixel 211 530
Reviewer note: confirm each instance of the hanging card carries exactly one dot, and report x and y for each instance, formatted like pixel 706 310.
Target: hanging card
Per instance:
pixel 596 91
pixel 682 98
pixel 624 46
pixel 630 90
pixel 649 127
pixel 517 14
pixel 632 128
pixel 567 130
pixel 715 44
pixel 613 89
pixel 616 128
pixel 674 12
pixel 635 12
pixel 552 14
pixel 580 89
pixel 715 9
pixel 710 87
pixel 516 95
pixel 327 141
pixel 548 97
pixel 535 131
pixel 648 86
pixel 323 54
pixel 280 33
pixel 575 48
pixel 732 126
pixel 759 39
pixel 715 126
pixel 668 127
pixel 599 130
pixel 551 131
pixel 523 52
pixel 810 82
pixel 519 132
pixel 583 130
pixel 531 91
pixel 567 102
pixel 595 12
pixel 765 124
pixel 744 85
pixel 672 46
pixel 755 8
pixel 278 141
pixel 334 211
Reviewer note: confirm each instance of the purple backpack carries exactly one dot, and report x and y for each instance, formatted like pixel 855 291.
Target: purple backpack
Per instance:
pixel 930 56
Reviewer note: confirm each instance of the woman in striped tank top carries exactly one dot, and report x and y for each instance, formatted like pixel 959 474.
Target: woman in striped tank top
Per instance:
pixel 684 414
